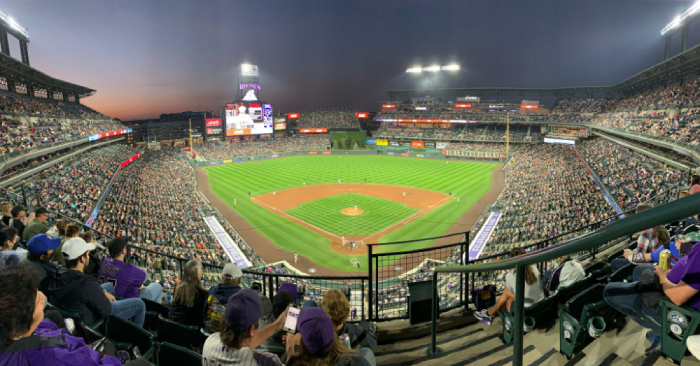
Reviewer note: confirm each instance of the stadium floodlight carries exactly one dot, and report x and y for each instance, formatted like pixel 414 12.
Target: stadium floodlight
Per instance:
pixel 682 19
pixel 11 23
pixel 414 70
pixel 432 68
pixel 450 68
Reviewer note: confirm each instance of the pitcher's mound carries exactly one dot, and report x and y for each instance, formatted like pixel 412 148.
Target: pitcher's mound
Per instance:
pixel 352 211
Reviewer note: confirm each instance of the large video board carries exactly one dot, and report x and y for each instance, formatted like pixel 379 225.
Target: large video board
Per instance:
pixel 248 118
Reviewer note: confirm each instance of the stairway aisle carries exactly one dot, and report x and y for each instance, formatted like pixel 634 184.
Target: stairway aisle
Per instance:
pixel 481 345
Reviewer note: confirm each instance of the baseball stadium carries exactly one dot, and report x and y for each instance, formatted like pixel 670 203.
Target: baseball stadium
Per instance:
pixel 313 209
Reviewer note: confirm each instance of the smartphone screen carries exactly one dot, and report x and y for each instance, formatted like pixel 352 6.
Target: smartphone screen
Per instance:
pixel 290 324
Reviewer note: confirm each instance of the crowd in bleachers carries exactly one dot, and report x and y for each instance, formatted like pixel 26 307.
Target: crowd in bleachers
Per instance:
pixel 226 150
pixel 583 105
pixel 629 176
pixel 548 192
pixel 458 132
pixel 328 119
pixel 51 123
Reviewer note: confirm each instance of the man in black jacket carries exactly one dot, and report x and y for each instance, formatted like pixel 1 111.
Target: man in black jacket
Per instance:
pixel 73 290
pixel 40 249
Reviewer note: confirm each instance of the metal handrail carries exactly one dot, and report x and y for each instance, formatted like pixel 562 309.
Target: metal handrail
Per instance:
pixel 671 211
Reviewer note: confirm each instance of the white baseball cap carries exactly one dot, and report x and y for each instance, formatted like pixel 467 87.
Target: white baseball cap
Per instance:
pixel 233 270
pixel 75 247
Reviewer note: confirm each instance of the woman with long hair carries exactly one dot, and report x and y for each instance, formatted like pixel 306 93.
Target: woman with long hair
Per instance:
pixel 533 291
pixel 5 211
pixel 319 345
pixel 189 297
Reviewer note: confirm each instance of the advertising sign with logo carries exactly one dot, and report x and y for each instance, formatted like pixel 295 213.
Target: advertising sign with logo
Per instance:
pixel 417 144
pixel 313 130
pixel 429 145
pixel 280 119
pixel 382 142
pixel 280 126
pixel 293 115
pixel 441 145
pixel 394 143
pixel 404 154
pixel 405 143
pixel 213 122
pixel 326 153
pixel 370 141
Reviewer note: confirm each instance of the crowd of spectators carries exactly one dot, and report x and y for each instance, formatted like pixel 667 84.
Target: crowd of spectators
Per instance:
pixel 548 192
pixel 452 132
pixel 328 119
pixel 629 176
pixel 583 105
pixel 226 150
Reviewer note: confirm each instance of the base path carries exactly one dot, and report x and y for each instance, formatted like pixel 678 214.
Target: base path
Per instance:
pixel 421 199
pixel 270 253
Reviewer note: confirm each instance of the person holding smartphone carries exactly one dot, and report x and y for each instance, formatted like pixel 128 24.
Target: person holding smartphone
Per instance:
pixel 239 336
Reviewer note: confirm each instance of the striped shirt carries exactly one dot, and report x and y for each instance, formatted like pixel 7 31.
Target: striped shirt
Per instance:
pixel 216 354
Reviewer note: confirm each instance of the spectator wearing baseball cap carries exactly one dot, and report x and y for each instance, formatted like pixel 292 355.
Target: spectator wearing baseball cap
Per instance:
pixel 73 290
pixel 239 336
pixel 37 224
pixel 319 343
pixel 127 277
pixel 218 296
pixel 40 248
pixel 18 220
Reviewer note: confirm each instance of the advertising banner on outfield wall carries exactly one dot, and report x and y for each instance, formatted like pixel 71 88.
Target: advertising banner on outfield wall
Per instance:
pixel 477 246
pixel 417 144
pixel 230 247
pixel 394 143
pixel 370 141
pixel 441 145
pixel 405 154
pixel 382 143
pixel 429 145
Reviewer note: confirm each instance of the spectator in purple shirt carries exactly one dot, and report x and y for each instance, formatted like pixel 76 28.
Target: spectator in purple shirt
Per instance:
pixel 26 338
pixel 681 284
pixel 123 279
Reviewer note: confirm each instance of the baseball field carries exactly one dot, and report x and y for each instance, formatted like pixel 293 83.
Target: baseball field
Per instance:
pixel 322 203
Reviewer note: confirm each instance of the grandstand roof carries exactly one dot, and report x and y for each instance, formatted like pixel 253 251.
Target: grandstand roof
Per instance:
pixel 14 71
pixel 674 68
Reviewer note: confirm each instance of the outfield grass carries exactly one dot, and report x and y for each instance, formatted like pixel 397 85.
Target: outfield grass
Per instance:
pixel 378 214
pixel 466 180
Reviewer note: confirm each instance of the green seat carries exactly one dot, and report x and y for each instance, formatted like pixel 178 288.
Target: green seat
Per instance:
pixel 677 324
pixel 123 331
pixel 179 334
pixel 172 354
pixel 623 274
pixel 577 313
pixel 566 293
pixel 539 312
pixel 153 309
pixel 615 256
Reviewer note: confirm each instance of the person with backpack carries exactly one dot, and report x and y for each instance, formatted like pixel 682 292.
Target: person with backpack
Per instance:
pixel 217 298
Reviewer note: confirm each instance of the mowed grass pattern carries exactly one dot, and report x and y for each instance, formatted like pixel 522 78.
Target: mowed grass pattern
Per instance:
pixel 466 180
pixel 377 214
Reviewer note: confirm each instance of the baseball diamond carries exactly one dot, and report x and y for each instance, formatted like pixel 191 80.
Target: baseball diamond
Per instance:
pixel 305 213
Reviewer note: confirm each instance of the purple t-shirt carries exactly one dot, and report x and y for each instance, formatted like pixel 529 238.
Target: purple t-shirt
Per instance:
pixel 126 278
pixel 687 269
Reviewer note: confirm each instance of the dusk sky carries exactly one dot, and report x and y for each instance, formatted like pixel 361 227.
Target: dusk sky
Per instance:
pixel 145 58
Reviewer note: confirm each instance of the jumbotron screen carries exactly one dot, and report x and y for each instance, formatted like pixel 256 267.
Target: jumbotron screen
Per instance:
pixel 248 118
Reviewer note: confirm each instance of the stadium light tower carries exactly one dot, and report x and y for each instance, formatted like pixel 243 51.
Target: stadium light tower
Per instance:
pixel 681 22
pixel 433 68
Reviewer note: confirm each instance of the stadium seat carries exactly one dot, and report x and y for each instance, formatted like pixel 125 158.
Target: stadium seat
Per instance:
pixel 566 293
pixel 171 354
pixel 540 312
pixel 677 324
pixel 599 271
pixel 623 274
pixel 182 335
pixel 121 330
pixel 153 309
pixel 575 317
